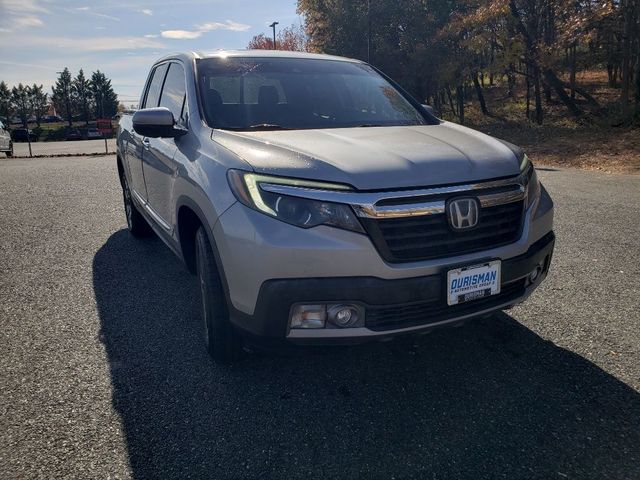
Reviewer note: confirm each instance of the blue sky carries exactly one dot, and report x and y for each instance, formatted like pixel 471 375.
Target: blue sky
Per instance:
pixel 123 38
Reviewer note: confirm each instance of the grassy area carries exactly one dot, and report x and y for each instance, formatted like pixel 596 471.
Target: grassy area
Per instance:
pixel 593 142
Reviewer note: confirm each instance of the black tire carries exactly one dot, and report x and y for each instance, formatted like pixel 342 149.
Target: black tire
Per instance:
pixel 136 223
pixel 10 151
pixel 223 342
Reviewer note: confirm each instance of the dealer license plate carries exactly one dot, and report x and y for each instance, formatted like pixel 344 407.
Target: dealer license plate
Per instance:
pixel 471 283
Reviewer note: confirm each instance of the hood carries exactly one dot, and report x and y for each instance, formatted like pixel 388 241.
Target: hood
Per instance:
pixel 376 158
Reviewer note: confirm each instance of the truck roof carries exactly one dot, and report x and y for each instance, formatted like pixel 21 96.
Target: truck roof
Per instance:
pixel 256 54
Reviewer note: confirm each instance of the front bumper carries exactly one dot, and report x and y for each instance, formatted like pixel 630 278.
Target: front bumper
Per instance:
pixel 392 306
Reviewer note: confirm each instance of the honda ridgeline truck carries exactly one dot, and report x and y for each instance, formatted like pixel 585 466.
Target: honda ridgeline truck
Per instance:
pixel 319 203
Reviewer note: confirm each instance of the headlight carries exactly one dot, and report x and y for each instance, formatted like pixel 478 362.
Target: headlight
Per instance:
pixel 530 180
pixel 298 211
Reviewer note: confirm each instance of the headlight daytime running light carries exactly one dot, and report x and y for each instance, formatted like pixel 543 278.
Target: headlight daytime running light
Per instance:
pixel 299 211
pixel 530 180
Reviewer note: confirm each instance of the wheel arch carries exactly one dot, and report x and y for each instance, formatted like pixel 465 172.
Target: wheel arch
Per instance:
pixel 189 217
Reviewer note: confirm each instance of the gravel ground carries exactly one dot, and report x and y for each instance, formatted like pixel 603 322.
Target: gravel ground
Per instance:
pixel 103 374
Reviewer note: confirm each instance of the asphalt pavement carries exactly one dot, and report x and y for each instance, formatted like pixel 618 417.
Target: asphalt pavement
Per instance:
pixel 103 373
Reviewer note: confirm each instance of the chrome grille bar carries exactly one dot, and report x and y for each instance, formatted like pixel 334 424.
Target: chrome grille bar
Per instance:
pixel 365 204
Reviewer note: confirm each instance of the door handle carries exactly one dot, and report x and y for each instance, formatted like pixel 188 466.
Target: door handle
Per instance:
pixel 145 143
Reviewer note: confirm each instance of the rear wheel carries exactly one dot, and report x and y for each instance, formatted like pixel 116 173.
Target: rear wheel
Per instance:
pixel 10 151
pixel 222 340
pixel 136 223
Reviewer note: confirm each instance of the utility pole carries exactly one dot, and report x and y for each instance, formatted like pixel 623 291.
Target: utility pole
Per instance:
pixel 273 25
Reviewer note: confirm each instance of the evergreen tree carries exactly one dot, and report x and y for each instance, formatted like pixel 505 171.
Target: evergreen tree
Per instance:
pixel 39 102
pixel 62 95
pixel 20 100
pixel 82 95
pixel 5 101
pixel 105 99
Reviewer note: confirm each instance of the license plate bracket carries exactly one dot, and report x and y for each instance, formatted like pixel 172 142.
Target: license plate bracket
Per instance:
pixel 473 282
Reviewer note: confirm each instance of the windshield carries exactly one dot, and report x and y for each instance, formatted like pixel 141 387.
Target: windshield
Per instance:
pixel 291 93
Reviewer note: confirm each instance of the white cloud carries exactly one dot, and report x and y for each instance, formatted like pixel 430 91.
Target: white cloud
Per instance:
pixel 87 11
pixel 151 35
pixel 20 22
pixel 228 25
pixel 21 14
pixel 147 11
pixel 102 15
pixel 26 22
pixel 205 27
pixel 23 6
pixel 92 44
pixel 180 34
pixel 28 65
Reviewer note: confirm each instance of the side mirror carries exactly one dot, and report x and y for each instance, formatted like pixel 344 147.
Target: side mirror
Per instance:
pixel 429 109
pixel 156 123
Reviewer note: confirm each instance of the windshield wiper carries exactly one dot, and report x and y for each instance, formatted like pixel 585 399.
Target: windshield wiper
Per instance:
pixel 259 126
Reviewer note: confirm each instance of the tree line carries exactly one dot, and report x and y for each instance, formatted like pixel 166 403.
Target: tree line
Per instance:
pixel 445 51
pixel 292 38
pixel 72 97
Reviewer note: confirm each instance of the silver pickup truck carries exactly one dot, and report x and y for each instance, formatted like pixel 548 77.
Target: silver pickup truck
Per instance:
pixel 319 203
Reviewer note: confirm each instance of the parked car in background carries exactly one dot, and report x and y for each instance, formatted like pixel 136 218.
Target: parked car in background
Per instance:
pixel 323 204
pixel 6 144
pixel 74 134
pixel 24 135
pixel 52 119
pixel 93 133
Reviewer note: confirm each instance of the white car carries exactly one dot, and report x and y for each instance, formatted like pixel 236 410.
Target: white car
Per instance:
pixel 6 145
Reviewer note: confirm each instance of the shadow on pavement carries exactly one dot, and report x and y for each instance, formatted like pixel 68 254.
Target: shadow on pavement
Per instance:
pixel 489 400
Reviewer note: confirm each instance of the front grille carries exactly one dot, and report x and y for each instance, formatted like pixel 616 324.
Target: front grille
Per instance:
pixel 390 317
pixel 427 237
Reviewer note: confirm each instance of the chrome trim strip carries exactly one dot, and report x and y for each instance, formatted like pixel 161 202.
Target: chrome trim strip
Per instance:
pixel 365 203
pixel 501 198
pixel 137 196
pixel 150 211
pixel 417 209
pixel 157 218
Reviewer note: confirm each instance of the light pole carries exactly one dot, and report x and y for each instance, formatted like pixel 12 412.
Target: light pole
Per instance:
pixel 273 25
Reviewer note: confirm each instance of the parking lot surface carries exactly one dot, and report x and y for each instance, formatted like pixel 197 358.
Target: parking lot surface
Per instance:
pixel 103 373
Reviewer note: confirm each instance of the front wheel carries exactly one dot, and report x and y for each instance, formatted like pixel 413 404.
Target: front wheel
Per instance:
pixel 10 151
pixel 222 340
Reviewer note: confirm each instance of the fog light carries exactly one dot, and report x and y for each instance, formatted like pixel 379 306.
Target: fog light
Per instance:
pixel 534 275
pixel 345 316
pixel 308 316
